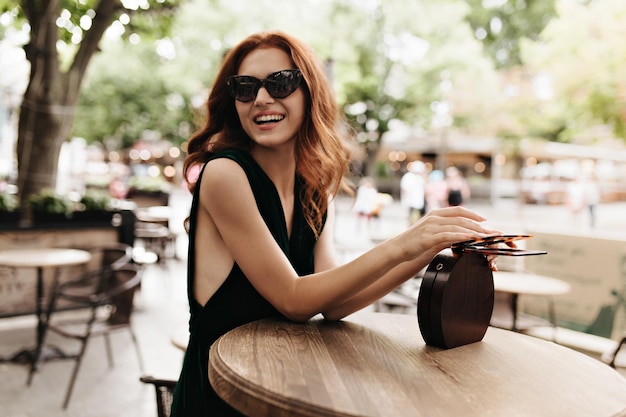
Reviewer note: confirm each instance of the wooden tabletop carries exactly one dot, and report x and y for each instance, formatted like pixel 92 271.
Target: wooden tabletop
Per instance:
pixel 528 283
pixel 376 364
pixel 43 257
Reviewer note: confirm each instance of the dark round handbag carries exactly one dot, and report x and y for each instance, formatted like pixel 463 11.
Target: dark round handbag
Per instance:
pixel 456 295
pixel 455 300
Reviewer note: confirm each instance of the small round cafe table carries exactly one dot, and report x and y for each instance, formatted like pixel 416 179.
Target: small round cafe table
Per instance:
pixel 377 364
pixel 526 283
pixel 40 259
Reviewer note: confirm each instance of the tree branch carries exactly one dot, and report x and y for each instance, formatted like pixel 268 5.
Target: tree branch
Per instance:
pixel 106 11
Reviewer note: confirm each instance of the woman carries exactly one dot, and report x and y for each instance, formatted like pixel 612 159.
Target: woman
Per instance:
pixel 261 238
pixel 458 189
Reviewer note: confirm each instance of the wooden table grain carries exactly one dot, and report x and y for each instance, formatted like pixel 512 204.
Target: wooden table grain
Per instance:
pixel 376 364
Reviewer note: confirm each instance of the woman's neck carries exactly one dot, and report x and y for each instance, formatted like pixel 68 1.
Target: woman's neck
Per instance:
pixel 279 165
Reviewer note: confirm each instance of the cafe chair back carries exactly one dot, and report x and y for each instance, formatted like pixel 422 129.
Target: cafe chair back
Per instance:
pixel 102 304
pixel 164 389
pixel 605 320
pixel 156 238
pixel 110 255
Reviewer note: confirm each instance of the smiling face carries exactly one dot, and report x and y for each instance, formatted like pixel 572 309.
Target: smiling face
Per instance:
pixel 269 121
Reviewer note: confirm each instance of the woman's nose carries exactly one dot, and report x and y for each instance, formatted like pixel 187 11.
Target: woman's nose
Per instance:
pixel 262 96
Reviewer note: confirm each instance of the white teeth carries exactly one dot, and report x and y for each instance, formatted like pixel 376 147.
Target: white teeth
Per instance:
pixel 269 118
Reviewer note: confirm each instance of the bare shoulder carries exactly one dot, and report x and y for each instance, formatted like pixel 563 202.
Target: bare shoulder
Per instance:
pixel 225 188
pixel 222 170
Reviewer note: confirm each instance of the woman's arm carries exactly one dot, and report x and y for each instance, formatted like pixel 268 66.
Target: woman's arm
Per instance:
pixel 326 258
pixel 227 197
pixel 382 286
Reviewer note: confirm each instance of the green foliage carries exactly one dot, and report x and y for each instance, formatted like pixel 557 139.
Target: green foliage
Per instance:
pixel 49 201
pixel 8 202
pixel 9 6
pixel 606 106
pixel 95 200
pixel 148 184
pixel 120 110
pixel 584 70
pixel 502 24
pixel 155 21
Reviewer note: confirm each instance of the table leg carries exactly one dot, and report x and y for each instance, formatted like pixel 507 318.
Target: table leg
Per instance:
pixel 514 297
pixel 552 317
pixel 34 355
pixel 41 351
pixel 41 326
pixel 27 355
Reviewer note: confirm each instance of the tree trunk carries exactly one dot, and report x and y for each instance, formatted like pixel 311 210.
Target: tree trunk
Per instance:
pixel 47 110
pixel 41 133
pixel 371 156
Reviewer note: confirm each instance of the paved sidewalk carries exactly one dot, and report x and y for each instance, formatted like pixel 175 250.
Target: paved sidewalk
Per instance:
pixel 161 311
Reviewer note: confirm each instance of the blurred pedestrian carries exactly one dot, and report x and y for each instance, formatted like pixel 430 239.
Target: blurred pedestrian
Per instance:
pixel 592 197
pixel 118 189
pixel 575 198
pixel 366 204
pixel 457 187
pixel 412 191
pixel 436 191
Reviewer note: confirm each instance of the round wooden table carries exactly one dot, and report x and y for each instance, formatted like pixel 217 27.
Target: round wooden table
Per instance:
pixel 40 259
pixel 527 283
pixel 376 364
pixel 523 283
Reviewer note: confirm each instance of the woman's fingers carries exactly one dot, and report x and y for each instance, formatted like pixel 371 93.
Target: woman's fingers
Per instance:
pixel 492 261
pixel 435 235
pixel 456 219
pixel 457 211
pixel 442 228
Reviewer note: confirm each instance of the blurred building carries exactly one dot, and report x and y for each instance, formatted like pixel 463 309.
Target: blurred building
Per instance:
pixel 536 171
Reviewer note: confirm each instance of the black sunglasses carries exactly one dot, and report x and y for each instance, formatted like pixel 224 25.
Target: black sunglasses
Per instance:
pixel 279 84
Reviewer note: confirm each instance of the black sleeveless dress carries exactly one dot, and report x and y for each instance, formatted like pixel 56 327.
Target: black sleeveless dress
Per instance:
pixel 236 302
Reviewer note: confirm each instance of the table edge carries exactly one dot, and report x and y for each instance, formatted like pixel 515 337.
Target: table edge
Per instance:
pixel 259 401
pixel 224 380
pixel 85 257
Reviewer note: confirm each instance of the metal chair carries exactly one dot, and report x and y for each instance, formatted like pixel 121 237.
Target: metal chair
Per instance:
pixel 156 238
pixel 112 255
pixel 164 389
pixel 603 326
pixel 106 290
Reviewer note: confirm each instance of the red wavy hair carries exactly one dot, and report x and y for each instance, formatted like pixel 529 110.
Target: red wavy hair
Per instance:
pixel 322 160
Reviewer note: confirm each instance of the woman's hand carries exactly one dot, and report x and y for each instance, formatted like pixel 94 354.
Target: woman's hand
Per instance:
pixel 488 246
pixel 440 229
